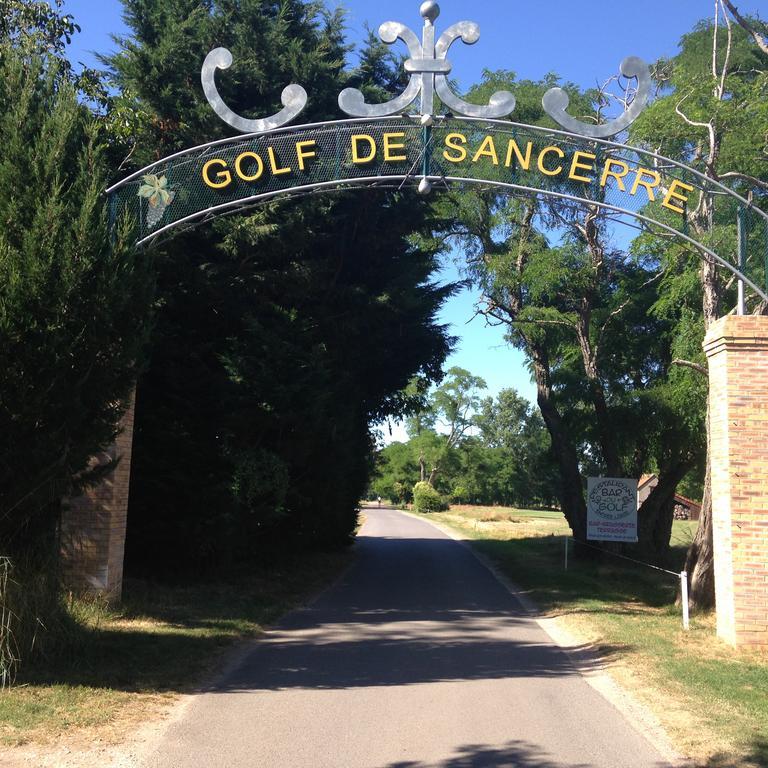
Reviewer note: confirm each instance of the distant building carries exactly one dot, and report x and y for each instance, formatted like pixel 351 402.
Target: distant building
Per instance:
pixel 685 509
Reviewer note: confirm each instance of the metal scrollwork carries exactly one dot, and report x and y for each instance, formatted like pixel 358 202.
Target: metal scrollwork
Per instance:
pixel 294 98
pixel 556 104
pixel 352 101
pixel 429 68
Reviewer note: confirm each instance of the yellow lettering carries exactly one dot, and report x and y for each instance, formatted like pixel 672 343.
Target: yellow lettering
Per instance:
pixel 523 162
pixel 224 175
pixel 673 194
pixel 390 146
pixel 577 165
pixel 302 154
pixel 619 176
pixel 456 142
pixel 547 151
pixel 273 163
pixel 655 180
pixel 239 166
pixel 487 149
pixel 357 159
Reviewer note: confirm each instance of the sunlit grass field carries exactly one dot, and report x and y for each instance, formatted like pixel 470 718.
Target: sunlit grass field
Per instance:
pixel 712 699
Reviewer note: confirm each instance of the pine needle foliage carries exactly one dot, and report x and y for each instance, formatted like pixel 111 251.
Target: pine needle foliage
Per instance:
pixel 281 335
pixel 73 302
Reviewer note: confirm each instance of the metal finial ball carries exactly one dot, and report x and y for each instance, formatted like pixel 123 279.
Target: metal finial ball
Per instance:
pixel 430 10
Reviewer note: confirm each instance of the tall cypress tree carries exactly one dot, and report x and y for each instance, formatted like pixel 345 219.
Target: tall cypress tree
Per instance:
pixel 74 303
pixel 280 335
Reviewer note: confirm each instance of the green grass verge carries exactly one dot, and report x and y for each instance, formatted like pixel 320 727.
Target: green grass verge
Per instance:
pixel 712 698
pixel 121 663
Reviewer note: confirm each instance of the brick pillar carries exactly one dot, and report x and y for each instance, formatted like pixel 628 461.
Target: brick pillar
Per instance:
pixel 737 349
pixel 93 525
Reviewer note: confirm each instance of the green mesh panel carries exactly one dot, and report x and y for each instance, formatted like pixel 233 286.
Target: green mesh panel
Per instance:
pixel 172 193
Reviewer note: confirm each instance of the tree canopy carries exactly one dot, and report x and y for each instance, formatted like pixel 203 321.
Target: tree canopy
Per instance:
pixel 471 449
pixel 281 336
pixel 74 303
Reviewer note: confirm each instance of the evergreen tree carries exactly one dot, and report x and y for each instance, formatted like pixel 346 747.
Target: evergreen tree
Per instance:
pixel 280 335
pixel 74 304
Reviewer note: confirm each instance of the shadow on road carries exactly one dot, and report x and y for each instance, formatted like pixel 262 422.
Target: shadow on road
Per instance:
pixel 515 754
pixel 411 611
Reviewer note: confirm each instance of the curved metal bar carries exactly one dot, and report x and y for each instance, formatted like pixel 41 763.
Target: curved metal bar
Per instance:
pixel 466 31
pixel 392 31
pixel 247 201
pixel 501 104
pixel 294 98
pixel 505 125
pixel 306 188
pixel 556 103
pixel 352 101
pixel 236 140
pixel 564 196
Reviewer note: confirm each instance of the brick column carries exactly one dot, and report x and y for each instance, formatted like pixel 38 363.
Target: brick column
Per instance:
pixel 737 349
pixel 93 525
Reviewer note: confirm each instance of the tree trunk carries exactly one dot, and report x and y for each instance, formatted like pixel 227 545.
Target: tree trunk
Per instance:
pixel 700 561
pixel 571 493
pixel 605 431
pixel 656 513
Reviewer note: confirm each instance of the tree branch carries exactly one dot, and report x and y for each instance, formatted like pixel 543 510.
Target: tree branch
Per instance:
pixel 685 117
pixel 744 177
pixel 693 366
pixel 761 42
pixel 548 322
pixel 724 74
pixel 714 39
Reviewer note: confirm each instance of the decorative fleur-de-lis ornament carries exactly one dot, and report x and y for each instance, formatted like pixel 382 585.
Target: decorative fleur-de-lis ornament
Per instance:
pixel 429 68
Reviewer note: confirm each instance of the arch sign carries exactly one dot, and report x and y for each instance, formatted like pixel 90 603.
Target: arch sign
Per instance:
pixel 428 138
pixel 398 144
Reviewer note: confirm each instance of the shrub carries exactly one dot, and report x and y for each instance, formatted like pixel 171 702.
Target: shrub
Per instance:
pixel 460 495
pixel 401 493
pixel 427 499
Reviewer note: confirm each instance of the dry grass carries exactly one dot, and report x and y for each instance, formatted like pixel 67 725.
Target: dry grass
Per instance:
pixel 128 665
pixel 711 698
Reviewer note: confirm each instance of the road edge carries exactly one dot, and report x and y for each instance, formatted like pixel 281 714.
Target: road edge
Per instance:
pixel 136 748
pixel 586 660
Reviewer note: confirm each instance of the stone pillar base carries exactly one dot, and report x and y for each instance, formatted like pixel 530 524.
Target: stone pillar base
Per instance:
pixel 93 525
pixel 737 350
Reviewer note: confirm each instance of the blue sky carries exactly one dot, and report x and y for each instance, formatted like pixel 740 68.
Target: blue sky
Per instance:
pixel 581 41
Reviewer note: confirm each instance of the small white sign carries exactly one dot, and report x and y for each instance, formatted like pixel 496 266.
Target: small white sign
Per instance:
pixel 611 509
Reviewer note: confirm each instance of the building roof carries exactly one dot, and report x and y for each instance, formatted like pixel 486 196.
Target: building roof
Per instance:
pixel 687 502
pixel 645 479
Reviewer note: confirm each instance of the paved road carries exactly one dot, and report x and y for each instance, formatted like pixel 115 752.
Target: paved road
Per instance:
pixel 417 658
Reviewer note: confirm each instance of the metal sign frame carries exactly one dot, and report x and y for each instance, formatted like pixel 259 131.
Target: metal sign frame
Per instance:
pixel 414 159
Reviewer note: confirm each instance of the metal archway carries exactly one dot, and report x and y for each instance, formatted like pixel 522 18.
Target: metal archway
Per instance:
pixel 221 177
